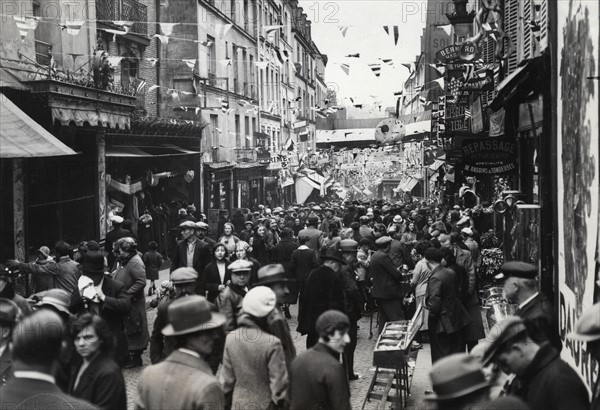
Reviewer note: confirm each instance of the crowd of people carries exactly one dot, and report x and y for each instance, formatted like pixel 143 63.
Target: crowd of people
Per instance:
pixel 221 337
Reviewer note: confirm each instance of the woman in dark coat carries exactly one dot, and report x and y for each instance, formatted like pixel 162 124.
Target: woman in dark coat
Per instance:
pixel 302 261
pixel 96 378
pixel 132 273
pixel 216 275
pixel 152 261
pixel 281 254
pixel 261 249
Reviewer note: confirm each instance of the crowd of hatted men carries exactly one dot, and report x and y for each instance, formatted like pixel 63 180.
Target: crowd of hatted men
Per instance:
pixel 221 337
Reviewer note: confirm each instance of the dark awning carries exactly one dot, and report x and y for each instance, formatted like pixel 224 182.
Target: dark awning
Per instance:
pixel 521 82
pixel 148 151
pixel 22 137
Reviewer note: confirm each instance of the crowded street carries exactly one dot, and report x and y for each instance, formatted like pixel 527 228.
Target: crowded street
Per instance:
pixel 300 205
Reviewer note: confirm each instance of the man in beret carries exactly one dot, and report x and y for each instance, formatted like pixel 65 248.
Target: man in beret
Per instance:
pixel 542 379
pixel 184 379
pixel 190 251
pixel 521 288
pixel 36 345
pixel 447 316
pixel 184 284
pixel 587 329
pixel 318 379
pixel 389 287
pixel 9 316
pixel 323 291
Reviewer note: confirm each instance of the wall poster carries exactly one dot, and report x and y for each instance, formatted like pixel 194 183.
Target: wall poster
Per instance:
pixel 578 170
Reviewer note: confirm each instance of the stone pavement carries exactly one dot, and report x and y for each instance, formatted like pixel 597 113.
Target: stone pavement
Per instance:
pixel 362 362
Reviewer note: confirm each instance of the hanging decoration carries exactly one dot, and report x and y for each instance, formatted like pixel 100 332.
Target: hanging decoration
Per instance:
pixel 222 29
pixel 343 30
pixel 73 27
pixel 191 63
pixel 376 68
pixel 163 39
pixel 24 24
pixel 345 68
pixel 167 28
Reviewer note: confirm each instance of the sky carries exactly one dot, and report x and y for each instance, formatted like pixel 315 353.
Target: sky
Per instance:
pixel 365 35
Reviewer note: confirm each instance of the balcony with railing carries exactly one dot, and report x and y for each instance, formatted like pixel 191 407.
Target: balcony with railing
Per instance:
pixel 124 10
pixel 246 155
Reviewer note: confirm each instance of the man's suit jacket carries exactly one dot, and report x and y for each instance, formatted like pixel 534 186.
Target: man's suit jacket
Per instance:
pixel 181 381
pixel 201 256
pixel 25 394
pixel 540 317
pixel 387 280
pixel 314 236
pixel 101 383
pixel 446 312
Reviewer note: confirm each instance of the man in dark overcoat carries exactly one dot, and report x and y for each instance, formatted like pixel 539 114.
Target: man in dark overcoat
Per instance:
pixel 323 291
pixel 281 254
pixel 190 251
pixel 447 316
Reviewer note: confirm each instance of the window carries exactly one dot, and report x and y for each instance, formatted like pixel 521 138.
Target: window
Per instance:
pixel 212 59
pixel 233 10
pixel 246 131
pixel 235 69
pixel 246 16
pixel 252 89
pixel 253 132
pixel 238 136
pixel 214 124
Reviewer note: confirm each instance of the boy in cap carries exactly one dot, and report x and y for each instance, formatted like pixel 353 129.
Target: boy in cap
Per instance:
pixel 254 372
pixel 274 277
pixel 521 287
pixel 542 379
pixel 230 299
pixel 318 379
pixel 184 379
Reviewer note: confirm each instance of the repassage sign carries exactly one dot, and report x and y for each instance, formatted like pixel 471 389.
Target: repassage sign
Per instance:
pixel 489 156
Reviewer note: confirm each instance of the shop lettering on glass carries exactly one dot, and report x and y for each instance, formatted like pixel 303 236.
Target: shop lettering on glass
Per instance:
pixel 489 156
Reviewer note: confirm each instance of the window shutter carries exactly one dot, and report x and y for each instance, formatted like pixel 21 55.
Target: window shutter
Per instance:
pixel 511 20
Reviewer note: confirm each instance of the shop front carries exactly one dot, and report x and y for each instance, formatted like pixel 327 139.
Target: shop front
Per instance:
pixel 218 187
pixel 248 177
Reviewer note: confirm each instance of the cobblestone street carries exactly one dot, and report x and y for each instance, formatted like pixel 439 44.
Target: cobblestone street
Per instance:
pixel 362 362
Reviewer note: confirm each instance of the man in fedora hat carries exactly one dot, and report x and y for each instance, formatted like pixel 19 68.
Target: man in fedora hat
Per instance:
pixel 318 379
pixel 312 232
pixel 542 379
pixel 184 284
pixel 275 277
pixel 389 287
pixel 323 291
pixel 521 287
pixel 9 316
pixel 190 251
pixel 587 329
pixel 184 380
pixel 36 345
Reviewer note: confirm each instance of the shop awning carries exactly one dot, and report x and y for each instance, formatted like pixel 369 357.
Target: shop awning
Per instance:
pixel 22 137
pixel 407 183
pixel 519 83
pixel 436 165
pixel 148 151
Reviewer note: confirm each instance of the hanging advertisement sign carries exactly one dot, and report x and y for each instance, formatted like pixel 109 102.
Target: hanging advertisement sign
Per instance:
pixel 489 156
pixel 496 122
pixel 479 84
pixel 476 116
pixel 466 52
pixel 578 173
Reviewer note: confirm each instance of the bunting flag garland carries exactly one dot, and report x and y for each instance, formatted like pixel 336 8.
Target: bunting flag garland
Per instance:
pixel 345 68
pixel 224 106
pixel 423 100
pixel 376 68
pixel 343 30
pixel 219 130
pixel 440 82
pixel 206 43
pixel 297 66
pixel 439 68
pixel 191 63
pixel 447 28
pixel 167 28
pixel 225 63
pixel 410 66
pixel 74 27
pixel 262 64
pixel 387 30
pixel 163 39
pixel 152 88
pixel 286 55
pixel 398 93
pixel 140 87
pixel 418 88
pixel 357 55
pixel 24 24
pixel 114 60
pixel 114 33
pixel 279 56
pixel 222 29
pixel 396 35
pixel 388 61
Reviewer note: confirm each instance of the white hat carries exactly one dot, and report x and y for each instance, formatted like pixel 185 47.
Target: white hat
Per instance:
pixel 116 219
pixel 467 231
pixel 259 301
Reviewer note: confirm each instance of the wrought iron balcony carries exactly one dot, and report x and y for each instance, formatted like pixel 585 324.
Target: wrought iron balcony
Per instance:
pixel 124 10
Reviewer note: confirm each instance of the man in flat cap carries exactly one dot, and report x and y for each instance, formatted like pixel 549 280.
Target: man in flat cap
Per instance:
pixel 184 380
pixel 318 379
pixel 248 232
pixel 447 316
pixel 36 345
pixel 312 232
pixel 202 235
pixel 229 301
pixel 190 251
pixel 542 379
pixel 389 287
pixel 323 291
pixel 521 288
pixel 184 284
pixel 330 220
pixel 587 329
pixel 274 277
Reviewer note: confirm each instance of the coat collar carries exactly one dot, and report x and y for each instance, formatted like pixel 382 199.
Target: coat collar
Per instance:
pixel 322 348
pixel 546 355
pixel 188 360
pixel 537 299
